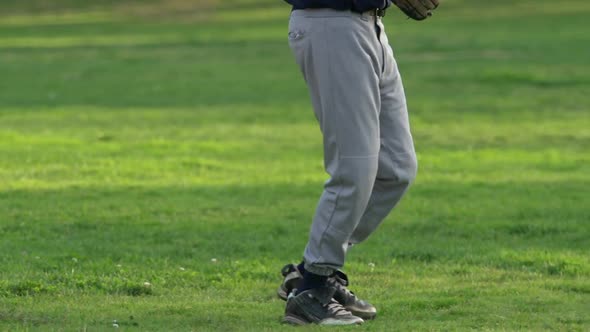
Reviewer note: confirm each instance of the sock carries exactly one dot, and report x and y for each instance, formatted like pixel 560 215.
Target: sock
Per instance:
pixel 310 281
pixel 301 267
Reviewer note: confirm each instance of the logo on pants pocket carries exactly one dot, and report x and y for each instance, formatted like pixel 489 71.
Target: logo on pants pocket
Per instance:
pixel 296 34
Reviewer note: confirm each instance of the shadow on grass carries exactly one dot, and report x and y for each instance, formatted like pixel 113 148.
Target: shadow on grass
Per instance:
pixel 158 74
pixel 251 222
pixel 109 240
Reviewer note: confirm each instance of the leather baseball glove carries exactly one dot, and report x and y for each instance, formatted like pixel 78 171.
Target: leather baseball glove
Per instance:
pixel 417 9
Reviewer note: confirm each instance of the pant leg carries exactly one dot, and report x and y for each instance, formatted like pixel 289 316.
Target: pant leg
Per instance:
pixel 397 158
pixel 341 61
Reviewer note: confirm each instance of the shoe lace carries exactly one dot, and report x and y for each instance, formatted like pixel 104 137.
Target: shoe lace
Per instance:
pixel 335 308
pixel 343 289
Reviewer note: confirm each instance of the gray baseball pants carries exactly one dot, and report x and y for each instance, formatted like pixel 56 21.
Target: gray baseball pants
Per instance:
pixel 359 102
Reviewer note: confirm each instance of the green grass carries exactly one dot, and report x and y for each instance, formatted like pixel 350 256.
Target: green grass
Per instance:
pixel 175 145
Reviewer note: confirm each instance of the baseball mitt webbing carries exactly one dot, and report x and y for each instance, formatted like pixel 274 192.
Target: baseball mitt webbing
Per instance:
pixel 417 9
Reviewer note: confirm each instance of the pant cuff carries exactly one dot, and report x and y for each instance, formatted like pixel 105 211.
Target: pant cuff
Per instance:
pixel 319 270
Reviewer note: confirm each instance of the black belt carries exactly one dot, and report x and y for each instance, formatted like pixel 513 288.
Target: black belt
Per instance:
pixel 372 12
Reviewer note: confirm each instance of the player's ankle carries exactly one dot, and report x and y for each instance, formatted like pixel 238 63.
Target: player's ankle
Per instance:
pixel 311 281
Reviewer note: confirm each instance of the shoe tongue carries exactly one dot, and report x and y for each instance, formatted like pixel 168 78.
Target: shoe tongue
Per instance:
pixel 323 294
pixel 341 277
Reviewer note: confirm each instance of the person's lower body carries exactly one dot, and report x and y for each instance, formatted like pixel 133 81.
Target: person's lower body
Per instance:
pixel 359 102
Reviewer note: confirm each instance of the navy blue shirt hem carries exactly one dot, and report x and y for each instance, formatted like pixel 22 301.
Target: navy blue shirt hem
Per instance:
pixel 353 5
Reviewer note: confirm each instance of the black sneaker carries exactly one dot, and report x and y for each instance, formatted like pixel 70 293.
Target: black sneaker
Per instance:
pixel 291 276
pixel 342 295
pixel 348 299
pixel 317 306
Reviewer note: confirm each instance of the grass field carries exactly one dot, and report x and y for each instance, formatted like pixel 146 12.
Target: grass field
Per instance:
pixel 160 163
